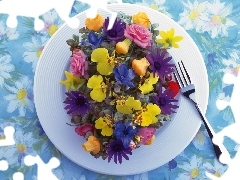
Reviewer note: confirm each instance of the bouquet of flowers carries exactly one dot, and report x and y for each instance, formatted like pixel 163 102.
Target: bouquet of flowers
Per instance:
pixel 120 88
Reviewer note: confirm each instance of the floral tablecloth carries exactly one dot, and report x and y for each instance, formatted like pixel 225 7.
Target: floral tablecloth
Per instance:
pixel 213 25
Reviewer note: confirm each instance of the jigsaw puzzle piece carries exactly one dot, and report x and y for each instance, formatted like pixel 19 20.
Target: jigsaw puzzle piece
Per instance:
pixel 3 165
pixel 8 140
pixel 44 170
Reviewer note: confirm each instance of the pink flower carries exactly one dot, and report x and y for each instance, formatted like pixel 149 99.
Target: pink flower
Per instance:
pixel 79 64
pixel 83 129
pixel 139 34
pixel 146 133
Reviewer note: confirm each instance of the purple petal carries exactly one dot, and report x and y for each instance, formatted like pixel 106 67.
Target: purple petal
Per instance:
pixel 120 157
pixel 115 157
pixel 110 154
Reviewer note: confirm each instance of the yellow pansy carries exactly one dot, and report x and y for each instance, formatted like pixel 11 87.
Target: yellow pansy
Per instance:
pixel 168 39
pixel 105 124
pixel 105 62
pixel 98 87
pixel 72 82
pixel 127 106
pixel 148 114
pixel 148 84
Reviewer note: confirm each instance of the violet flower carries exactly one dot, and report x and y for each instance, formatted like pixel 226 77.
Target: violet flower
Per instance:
pixel 117 150
pixel 117 32
pixel 164 100
pixel 77 103
pixel 159 63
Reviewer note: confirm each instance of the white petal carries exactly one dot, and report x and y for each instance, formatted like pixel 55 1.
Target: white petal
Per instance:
pixel 30 104
pixel 1 81
pixel 12 106
pixel 226 11
pixel 5 75
pixel 22 111
pixel 30 57
pixel 189 25
pixel 7 67
pixel 230 23
pixel 10 97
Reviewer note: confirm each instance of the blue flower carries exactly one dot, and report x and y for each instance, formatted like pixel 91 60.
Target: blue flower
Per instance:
pixel 93 40
pixel 124 132
pixel 123 75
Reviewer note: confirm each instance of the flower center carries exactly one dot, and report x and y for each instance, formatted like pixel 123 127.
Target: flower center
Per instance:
pixel 193 15
pixel 112 33
pixel 39 52
pixel 80 101
pixel 157 65
pixel 53 28
pixel 194 173
pixel 200 137
pixel 117 148
pixel 216 20
pixel 125 132
pixel 21 148
pixel 217 174
pixel 21 94
pixel 162 101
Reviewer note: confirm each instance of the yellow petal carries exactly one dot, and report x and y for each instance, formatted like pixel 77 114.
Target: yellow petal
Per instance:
pixel 99 123
pixel 146 88
pixel 170 33
pixel 99 55
pixel 105 68
pixel 163 34
pixel 133 104
pixel 98 94
pixel 177 38
pixel 153 109
pixel 124 109
pixel 107 131
pixel 95 81
pixel 175 45
pixel 152 79
pixel 146 119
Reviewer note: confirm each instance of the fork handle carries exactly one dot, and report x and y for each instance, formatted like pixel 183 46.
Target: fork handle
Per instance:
pixel 218 151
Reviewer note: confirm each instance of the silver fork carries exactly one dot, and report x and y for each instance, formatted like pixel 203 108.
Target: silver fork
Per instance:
pixel 188 90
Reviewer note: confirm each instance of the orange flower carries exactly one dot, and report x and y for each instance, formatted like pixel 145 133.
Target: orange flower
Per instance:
pixel 123 47
pixel 94 24
pixel 92 145
pixel 140 66
pixel 150 141
pixel 142 19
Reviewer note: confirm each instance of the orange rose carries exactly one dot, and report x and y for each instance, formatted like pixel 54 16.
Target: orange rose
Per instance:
pixel 94 24
pixel 142 19
pixel 150 141
pixel 140 66
pixel 92 145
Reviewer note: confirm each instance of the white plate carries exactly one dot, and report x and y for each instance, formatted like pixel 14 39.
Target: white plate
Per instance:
pixel 171 140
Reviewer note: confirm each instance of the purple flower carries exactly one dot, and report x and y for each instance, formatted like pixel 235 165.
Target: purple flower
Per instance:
pixel 76 103
pixel 123 75
pixel 117 150
pixel 159 63
pixel 164 100
pixel 117 32
pixel 93 40
pixel 124 132
pixel 172 164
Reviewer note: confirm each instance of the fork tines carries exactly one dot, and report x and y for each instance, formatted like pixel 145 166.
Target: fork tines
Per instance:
pixel 183 75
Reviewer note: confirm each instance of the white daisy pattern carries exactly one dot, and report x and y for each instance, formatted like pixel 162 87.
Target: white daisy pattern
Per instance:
pixel 192 170
pixel 200 140
pixel 51 22
pixel 5 68
pixel 20 96
pixel 7 33
pixel 232 64
pixel 34 50
pixel 216 18
pixel 216 169
pixel 157 5
pixel 190 18
pixel 23 146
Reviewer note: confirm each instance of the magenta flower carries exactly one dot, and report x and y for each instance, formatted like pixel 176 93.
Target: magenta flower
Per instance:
pixel 146 133
pixel 78 64
pixel 84 129
pixel 138 34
